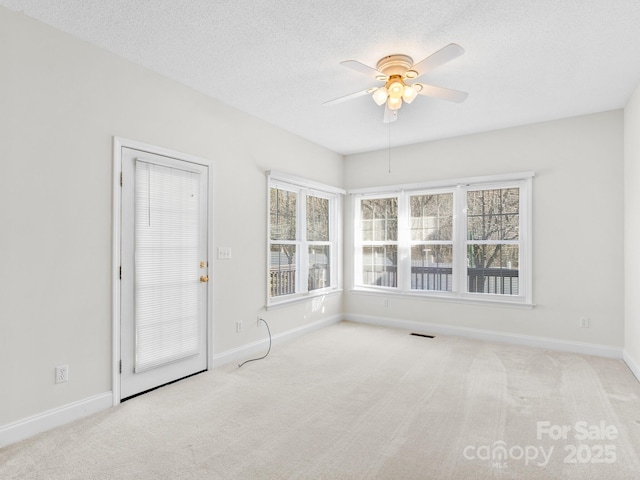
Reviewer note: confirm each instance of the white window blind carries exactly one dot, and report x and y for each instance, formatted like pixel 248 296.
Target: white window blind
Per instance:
pixel 166 264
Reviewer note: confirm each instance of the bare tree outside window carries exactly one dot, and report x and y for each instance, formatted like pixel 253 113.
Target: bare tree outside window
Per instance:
pixel 318 236
pixel 379 229
pixel 302 240
pixel 282 271
pixel 282 207
pixel 467 239
pixel 493 251
pixel 317 219
pixel 379 219
pixel 432 241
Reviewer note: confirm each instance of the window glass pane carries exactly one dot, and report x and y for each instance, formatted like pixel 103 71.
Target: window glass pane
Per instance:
pixel 319 271
pixel 282 206
pixel 317 219
pixel 379 219
pixel 380 265
pixel 493 214
pixel 431 267
pixel 432 217
pixel 493 269
pixel 282 273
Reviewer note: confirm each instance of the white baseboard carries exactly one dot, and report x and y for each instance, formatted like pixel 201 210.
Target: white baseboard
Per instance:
pixel 28 427
pixel 36 424
pixel 14 432
pixel 632 364
pixel 490 336
pixel 260 347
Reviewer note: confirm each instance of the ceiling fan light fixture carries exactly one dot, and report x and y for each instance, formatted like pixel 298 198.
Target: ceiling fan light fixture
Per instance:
pixel 394 70
pixel 409 93
pixel 394 103
pixel 380 95
pixel 396 89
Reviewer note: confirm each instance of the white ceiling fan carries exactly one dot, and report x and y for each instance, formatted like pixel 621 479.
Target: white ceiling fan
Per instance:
pixel 395 71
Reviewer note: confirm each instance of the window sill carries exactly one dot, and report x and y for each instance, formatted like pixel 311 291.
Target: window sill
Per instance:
pixel 299 298
pixel 442 297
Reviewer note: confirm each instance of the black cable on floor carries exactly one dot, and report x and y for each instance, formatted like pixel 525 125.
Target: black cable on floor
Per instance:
pixel 260 358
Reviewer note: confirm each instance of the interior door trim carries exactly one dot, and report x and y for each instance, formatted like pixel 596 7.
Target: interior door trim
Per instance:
pixel 118 144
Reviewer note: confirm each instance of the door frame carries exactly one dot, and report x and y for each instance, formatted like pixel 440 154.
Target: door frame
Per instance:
pixel 118 144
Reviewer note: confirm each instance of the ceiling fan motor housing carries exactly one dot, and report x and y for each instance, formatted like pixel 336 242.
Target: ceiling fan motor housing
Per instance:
pixel 396 64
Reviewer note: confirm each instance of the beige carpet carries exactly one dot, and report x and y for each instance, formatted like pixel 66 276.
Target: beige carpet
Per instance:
pixel 360 402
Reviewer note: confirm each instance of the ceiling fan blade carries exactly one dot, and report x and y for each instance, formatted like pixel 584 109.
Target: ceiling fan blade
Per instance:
pixel 362 68
pixel 442 56
pixel 443 93
pixel 389 115
pixel 350 96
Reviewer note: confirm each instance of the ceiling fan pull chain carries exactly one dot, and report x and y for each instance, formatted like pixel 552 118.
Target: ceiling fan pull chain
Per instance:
pixel 389 154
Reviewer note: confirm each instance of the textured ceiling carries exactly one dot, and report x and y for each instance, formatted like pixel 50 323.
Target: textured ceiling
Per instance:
pixel 524 61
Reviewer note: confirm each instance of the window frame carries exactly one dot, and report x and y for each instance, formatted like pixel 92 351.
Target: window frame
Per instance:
pixel 378 243
pixel 459 188
pixel 411 243
pixel 304 188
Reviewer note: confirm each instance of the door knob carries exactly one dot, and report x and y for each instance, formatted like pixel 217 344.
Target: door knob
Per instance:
pixel 204 278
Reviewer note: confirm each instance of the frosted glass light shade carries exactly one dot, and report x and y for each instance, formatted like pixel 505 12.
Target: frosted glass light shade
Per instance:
pixel 394 103
pixel 409 94
pixel 395 90
pixel 380 95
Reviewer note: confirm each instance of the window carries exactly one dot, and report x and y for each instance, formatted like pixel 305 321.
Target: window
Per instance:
pixel 468 240
pixel 431 241
pixel 380 241
pixel 493 246
pixel 283 215
pixel 304 235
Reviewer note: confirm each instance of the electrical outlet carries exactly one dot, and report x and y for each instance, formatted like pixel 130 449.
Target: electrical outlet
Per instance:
pixel 385 303
pixel 258 321
pixel 584 322
pixel 62 374
pixel 238 326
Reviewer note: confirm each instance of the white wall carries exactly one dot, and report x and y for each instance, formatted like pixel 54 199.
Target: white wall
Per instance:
pixel 632 231
pixel 61 101
pixel 577 224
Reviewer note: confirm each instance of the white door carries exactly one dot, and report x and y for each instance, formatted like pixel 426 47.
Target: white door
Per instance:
pixel 164 278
